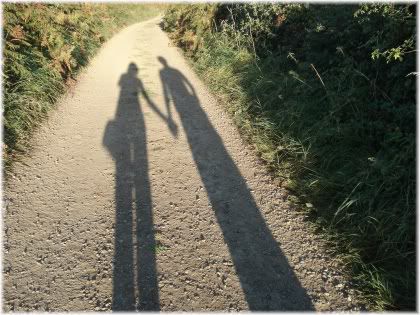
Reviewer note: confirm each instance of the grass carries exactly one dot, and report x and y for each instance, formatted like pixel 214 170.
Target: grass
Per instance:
pixel 337 176
pixel 160 248
pixel 335 136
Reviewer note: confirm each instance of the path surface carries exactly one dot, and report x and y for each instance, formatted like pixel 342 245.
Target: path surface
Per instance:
pixel 139 194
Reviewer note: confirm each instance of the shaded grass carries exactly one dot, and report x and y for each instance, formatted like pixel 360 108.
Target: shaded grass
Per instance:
pixel 367 215
pixel 340 139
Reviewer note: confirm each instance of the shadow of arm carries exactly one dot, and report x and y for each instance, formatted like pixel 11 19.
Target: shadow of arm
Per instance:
pixel 189 85
pixel 153 106
pixel 171 125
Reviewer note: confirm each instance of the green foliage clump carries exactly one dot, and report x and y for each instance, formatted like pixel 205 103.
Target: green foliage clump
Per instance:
pixel 327 95
pixel 44 47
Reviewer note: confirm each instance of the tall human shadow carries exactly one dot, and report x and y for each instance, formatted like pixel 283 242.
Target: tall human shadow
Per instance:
pixel 134 268
pixel 266 277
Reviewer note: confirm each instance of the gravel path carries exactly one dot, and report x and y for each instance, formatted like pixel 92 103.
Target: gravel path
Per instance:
pixel 139 194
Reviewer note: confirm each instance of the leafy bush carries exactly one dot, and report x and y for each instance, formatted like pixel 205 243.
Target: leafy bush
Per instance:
pixel 327 95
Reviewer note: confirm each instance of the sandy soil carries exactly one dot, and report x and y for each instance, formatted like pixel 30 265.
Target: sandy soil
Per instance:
pixel 139 194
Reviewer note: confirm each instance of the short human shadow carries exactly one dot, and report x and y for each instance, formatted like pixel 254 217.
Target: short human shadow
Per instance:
pixel 134 267
pixel 266 277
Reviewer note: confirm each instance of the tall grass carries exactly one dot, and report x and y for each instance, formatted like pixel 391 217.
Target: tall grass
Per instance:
pixel 45 45
pixel 327 96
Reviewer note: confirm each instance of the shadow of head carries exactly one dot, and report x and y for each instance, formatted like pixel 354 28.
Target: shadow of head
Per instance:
pixel 132 69
pixel 176 82
pixel 163 61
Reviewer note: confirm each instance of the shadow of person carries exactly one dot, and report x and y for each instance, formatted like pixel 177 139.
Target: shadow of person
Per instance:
pixel 266 278
pixel 134 258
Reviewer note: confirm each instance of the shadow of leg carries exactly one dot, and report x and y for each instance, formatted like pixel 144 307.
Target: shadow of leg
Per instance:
pixel 123 276
pixel 146 246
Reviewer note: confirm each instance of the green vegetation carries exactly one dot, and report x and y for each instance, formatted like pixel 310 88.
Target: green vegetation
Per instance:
pixel 159 248
pixel 327 95
pixel 45 45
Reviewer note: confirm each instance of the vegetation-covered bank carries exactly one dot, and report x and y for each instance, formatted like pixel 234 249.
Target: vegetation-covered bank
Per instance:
pixel 44 46
pixel 327 93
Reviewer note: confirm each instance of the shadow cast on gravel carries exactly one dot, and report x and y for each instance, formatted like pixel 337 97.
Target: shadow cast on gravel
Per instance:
pixel 266 277
pixel 134 270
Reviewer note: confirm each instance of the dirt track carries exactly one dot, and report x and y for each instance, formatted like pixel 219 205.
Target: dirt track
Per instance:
pixel 139 194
